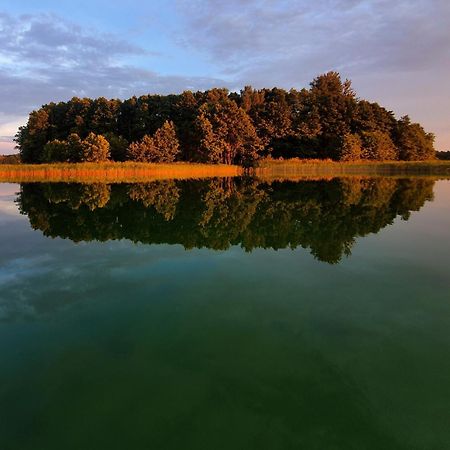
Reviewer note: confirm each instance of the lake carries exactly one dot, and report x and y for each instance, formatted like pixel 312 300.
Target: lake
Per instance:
pixel 229 313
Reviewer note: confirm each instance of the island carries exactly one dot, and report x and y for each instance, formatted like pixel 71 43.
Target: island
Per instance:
pixel 222 133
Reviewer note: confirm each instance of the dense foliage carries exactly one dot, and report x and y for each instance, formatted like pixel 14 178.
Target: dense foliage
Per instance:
pixel 324 216
pixel 445 156
pixel 325 121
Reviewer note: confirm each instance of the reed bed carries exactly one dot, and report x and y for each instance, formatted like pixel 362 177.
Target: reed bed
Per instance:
pixel 269 169
pixel 308 169
pixel 113 172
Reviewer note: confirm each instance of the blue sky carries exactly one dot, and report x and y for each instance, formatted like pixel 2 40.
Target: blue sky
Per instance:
pixel 397 53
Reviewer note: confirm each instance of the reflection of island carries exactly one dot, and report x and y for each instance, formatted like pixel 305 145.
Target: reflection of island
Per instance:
pixel 325 216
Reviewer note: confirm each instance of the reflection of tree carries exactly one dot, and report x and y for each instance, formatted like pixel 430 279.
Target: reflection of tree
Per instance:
pixel 163 196
pixel 229 209
pixel 324 216
pixel 95 195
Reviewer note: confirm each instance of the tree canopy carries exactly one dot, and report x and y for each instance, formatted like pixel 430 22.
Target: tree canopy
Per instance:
pixel 327 120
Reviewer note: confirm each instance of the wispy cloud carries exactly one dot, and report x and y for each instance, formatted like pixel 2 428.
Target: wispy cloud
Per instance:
pixel 45 58
pixel 287 42
pixel 397 53
pixel 44 40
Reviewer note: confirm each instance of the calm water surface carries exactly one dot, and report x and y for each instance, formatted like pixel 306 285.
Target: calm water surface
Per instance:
pixel 225 314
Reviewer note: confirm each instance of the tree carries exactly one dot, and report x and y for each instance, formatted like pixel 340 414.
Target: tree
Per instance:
pixel 166 143
pixel 143 151
pixel 413 143
pixel 372 117
pixel 185 115
pixel 378 146
pixel 227 133
pixel 95 148
pixel 272 116
pixel 336 104
pixel 350 148
pixel 32 138
pixel 443 156
pixel 219 126
pixel 55 151
pixel 74 148
pixel 104 115
pixel 117 146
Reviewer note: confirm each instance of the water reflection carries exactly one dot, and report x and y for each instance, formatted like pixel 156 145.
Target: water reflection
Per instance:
pixel 324 216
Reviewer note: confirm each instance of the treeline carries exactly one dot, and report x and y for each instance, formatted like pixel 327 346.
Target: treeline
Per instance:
pixel 444 156
pixel 217 126
pixel 9 159
pixel 324 216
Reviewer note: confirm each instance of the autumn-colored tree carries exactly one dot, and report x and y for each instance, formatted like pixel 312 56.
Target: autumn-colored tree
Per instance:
pixel 350 148
pixel 166 143
pixel 378 146
pixel 95 148
pixel 227 133
pixel 413 142
pixel 219 126
pixel 143 151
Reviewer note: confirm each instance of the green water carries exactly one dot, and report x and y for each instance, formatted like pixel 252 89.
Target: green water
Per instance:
pixel 225 314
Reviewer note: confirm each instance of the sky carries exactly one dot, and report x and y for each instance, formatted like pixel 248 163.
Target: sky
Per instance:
pixel 395 52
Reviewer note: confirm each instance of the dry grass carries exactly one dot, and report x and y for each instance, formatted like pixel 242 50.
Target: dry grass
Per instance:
pixel 113 172
pixel 269 169
pixel 301 168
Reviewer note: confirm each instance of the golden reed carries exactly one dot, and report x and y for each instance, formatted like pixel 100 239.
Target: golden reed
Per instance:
pixel 268 169
pixel 113 172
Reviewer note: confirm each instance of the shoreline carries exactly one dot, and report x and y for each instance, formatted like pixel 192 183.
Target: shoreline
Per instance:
pixel 266 169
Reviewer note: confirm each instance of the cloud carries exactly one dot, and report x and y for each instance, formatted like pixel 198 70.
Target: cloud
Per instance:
pixel 45 58
pixel 273 41
pixel 383 46
pixel 46 40
pixel 6 138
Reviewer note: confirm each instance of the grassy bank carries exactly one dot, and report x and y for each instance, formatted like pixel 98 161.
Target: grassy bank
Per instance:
pixel 267 169
pixel 298 169
pixel 113 172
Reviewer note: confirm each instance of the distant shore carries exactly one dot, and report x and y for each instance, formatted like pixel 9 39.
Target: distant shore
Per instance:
pixel 267 169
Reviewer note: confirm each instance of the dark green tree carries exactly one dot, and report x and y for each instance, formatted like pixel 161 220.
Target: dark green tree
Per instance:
pixel 55 151
pixel 118 146
pixel 32 137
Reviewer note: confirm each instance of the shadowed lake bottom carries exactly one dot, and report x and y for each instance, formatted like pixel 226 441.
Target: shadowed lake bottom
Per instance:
pixel 225 314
